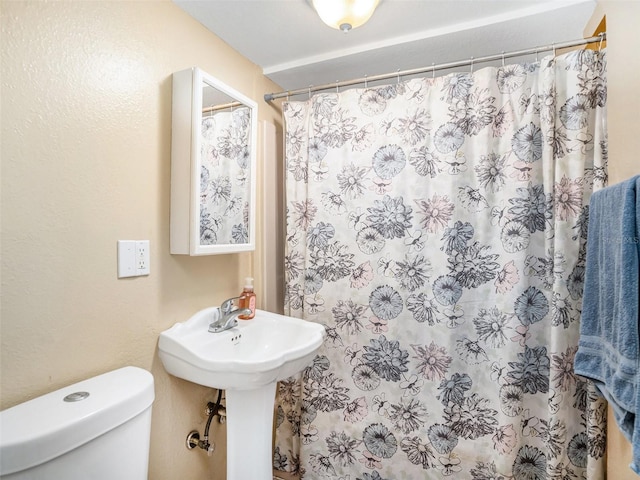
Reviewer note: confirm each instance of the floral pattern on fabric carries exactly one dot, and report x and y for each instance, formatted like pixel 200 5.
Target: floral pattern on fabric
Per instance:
pixel 224 178
pixel 437 229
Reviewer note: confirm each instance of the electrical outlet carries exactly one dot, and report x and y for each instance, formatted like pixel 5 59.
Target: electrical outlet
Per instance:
pixel 133 258
pixel 142 257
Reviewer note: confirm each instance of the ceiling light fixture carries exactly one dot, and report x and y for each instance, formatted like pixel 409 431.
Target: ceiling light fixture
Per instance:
pixel 345 14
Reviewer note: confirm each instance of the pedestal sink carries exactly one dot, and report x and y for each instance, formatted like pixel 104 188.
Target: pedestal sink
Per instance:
pixel 247 361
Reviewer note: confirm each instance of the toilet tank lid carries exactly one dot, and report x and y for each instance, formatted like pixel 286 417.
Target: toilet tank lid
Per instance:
pixel 46 427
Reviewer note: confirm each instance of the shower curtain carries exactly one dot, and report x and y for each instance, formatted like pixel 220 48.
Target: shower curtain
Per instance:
pixel 224 177
pixel 436 228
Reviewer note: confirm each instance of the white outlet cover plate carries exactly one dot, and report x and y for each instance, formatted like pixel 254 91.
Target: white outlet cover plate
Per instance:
pixel 126 258
pixel 133 258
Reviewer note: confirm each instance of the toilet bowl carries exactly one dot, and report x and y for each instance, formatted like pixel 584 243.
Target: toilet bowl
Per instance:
pixel 97 429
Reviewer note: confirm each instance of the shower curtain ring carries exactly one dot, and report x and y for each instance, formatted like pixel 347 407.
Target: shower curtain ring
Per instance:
pixel 398 72
pixel 310 92
pixel 601 35
pixel 433 70
pixel 337 89
pixel 365 81
pixel 553 45
pixel 537 49
pixel 471 71
pixel 503 58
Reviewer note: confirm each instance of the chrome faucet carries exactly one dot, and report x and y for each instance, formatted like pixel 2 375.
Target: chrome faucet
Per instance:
pixel 227 316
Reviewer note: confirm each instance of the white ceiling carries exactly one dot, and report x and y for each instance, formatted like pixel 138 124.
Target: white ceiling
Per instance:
pixel 295 49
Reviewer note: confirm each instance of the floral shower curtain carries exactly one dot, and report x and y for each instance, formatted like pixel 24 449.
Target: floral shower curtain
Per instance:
pixel 224 177
pixel 437 228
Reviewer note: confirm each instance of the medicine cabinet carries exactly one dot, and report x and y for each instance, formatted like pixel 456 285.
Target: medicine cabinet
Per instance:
pixel 213 166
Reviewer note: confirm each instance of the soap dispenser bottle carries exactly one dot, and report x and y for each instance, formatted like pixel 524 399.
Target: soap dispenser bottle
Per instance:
pixel 247 299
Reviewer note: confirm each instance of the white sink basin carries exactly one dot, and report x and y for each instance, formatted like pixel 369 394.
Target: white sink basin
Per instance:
pixel 257 352
pixel 246 361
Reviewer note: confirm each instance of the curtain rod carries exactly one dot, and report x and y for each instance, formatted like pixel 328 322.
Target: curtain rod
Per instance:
pixel 222 107
pixel 443 66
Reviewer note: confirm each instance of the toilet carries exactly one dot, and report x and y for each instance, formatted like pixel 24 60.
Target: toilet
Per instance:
pixel 97 429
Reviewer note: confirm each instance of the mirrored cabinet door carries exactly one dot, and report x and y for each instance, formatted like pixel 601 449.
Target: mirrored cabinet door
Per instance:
pixel 213 166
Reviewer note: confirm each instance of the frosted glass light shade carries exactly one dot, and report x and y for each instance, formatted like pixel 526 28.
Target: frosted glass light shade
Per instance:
pixel 345 14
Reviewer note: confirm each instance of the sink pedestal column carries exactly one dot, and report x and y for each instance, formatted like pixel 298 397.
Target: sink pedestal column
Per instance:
pixel 249 433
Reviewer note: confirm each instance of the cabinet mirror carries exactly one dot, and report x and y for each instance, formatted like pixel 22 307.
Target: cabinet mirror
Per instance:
pixel 213 166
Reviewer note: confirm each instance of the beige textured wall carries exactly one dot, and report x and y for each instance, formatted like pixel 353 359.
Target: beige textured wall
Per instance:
pixel 623 45
pixel 85 151
pixel 623 83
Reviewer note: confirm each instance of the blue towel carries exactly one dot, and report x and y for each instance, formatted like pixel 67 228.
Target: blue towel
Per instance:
pixel 609 345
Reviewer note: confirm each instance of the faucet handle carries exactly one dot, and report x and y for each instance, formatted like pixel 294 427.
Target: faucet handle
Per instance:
pixel 227 305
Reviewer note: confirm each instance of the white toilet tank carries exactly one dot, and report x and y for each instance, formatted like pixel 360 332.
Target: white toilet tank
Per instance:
pixel 97 429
